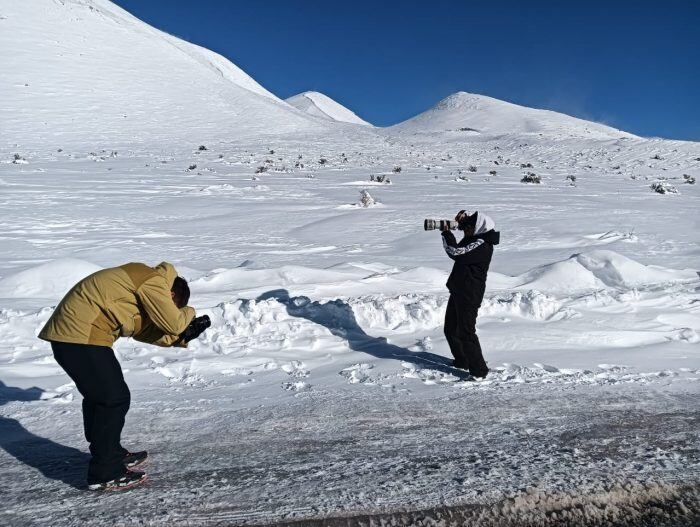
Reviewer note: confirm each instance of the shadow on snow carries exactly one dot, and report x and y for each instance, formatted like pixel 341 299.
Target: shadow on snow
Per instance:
pixel 55 461
pixel 339 318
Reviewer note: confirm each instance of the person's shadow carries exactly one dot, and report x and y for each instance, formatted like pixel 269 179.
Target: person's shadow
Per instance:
pixel 339 318
pixel 53 460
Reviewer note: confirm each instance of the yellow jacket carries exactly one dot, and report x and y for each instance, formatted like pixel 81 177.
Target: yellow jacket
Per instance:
pixel 132 300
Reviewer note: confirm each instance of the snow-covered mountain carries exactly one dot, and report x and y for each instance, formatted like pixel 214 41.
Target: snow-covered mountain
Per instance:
pixel 479 114
pixel 320 105
pixel 86 68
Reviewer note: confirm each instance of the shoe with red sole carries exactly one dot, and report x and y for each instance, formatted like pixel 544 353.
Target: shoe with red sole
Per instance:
pixel 133 459
pixel 129 480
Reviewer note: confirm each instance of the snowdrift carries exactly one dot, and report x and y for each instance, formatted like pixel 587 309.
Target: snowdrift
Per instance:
pixel 598 269
pixel 51 280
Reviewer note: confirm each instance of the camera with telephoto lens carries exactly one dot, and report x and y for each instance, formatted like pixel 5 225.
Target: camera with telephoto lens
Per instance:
pixel 196 328
pixel 431 225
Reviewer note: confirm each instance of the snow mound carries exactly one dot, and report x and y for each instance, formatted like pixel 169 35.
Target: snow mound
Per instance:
pixel 599 269
pixel 243 278
pixel 404 313
pixel 320 105
pixel 51 280
pixel 530 304
pixel 471 113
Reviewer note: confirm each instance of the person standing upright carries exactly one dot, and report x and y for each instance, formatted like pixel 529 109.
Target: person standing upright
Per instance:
pixel 134 300
pixel 467 283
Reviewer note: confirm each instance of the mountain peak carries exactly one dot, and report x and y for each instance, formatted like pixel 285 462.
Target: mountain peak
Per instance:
pixel 320 105
pixel 463 111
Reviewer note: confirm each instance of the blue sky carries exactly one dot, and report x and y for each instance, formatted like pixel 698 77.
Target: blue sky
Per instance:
pixel 633 65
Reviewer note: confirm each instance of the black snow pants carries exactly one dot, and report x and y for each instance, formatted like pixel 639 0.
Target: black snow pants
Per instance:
pixel 460 330
pixel 106 398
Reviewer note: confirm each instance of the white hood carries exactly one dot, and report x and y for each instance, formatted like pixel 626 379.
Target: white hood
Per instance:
pixel 484 223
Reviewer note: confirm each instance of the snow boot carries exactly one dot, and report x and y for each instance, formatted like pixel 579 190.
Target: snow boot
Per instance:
pixel 133 459
pixel 479 373
pixel 128 480
pixel 460 365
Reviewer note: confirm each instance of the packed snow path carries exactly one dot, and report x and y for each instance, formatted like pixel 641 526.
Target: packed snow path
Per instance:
pixel 358 452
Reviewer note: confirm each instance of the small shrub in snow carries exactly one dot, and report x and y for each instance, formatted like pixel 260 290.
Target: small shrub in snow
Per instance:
pixel 525 165
pixel 657 157
pixel 492 172
pixel 472 168
pixel 366 200
pixel 322 161
pixel 192 167
pixel 298 165
pixel 271 152
pixel 397 170
pixel 531 177
pixel 661 187
pixel 689 179
pixel 261 169
pixel 19 160
pixel 381 178
pixel 462 178
pixel 467 129
pixel 571 180
pixel 202 148
pixel 310 176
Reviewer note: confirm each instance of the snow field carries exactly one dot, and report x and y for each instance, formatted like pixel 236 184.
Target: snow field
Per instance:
pixel 273 334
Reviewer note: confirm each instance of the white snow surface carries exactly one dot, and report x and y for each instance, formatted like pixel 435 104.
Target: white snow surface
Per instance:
pixel 320 105
pixel 324 387
pixel 78 67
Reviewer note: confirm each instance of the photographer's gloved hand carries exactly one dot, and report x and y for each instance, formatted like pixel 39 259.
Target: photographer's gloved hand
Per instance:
pixel 196 328
pixel 449 237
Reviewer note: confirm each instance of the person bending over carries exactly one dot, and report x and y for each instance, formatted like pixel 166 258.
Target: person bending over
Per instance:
pixel 467 283
pixel 134 300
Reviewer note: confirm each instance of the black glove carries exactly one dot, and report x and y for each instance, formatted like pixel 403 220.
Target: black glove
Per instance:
pixel 449 238
pixel 196 328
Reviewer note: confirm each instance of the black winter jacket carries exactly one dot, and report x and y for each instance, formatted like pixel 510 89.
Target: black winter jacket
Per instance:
pixel 472 257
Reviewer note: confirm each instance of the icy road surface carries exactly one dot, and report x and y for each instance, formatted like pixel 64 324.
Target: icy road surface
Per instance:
pixel 359 451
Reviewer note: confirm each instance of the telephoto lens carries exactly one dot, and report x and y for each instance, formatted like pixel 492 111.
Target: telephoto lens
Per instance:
pixel 431 225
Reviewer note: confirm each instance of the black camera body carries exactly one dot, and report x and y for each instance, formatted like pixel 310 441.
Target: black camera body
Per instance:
pixel 196 328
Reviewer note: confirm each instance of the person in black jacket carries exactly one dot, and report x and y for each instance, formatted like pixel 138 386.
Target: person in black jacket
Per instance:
pixel 467 282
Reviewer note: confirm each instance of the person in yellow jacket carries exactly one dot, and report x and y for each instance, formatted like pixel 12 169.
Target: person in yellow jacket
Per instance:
pixel 134 300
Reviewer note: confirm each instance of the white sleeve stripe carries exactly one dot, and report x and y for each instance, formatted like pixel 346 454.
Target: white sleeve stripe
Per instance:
pixel 458 251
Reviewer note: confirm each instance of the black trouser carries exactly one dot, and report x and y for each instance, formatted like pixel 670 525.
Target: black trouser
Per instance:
pixel 99 379
pixel 460 330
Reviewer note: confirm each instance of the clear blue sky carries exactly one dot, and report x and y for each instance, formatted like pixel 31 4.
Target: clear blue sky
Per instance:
pixel 632 64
